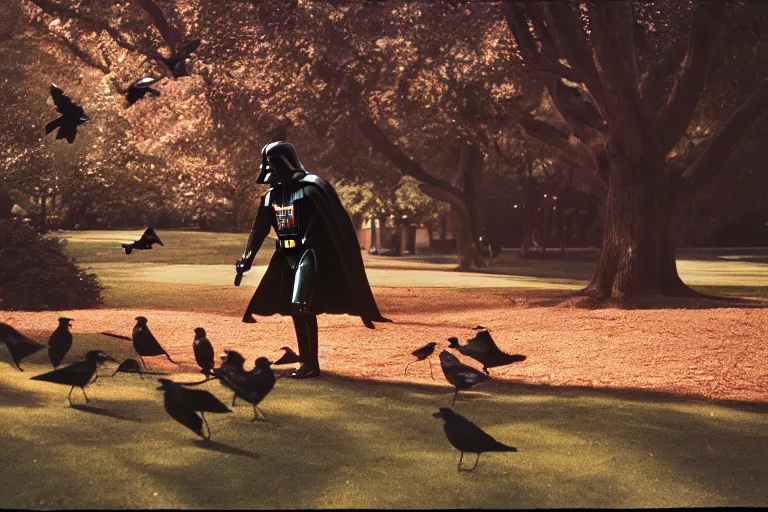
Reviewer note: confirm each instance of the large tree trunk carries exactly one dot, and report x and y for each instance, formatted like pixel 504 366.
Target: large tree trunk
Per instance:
pixel 638 254
pixel 465 247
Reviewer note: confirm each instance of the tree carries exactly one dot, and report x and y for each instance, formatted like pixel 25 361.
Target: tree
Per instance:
pixel 622 125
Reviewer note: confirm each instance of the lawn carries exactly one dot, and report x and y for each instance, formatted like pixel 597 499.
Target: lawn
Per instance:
pixel 345 443
pixel 612 408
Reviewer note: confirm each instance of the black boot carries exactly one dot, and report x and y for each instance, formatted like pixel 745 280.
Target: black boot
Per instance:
pixel 306 337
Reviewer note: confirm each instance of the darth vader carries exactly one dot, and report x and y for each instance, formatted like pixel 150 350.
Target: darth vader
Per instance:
pixel 317 266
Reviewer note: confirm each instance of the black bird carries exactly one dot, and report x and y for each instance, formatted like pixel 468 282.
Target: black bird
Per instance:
pixel 18 345
pixel 60 342
pixel 177 63
pixel 133 366
pixel 71 117
pixel 422 354
pixel 77 375
pixel 483 349
pixel 183 405
pixel 145 242
pixel 460 375
pixel 290 357
pixel 232 362
pixel 465 436
pixel 203 352
pixel 251 386
pixel 144 341
pixel 140 88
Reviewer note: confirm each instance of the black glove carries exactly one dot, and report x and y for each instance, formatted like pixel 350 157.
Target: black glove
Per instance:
pixel 242 266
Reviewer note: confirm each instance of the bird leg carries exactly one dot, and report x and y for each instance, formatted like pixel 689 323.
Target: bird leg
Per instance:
pixel 142 361
pixel 486 371
pixel 461 458
pixel 233 400
pixel 456 394
pixel 70 395
pixel 86 396
pixel 476 461
pixel 406 367
pixel 256 412
pixel 205 421
pixel 430 369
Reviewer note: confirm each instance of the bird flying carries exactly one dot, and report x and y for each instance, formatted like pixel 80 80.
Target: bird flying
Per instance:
pixel 18 345
pixel 77 375
pixel 465 436
pixel 483 349
pixel 71 117
pixel 145 242
pixel 183 405
pixel 458 374
pixel 60 342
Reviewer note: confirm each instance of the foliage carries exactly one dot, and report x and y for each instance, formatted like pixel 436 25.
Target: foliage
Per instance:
pixel 36 274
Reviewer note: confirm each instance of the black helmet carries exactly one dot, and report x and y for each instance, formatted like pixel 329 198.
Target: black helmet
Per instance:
pixel 279 163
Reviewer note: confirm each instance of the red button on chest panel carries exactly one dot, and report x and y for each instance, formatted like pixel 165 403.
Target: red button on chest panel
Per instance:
pixel 286 216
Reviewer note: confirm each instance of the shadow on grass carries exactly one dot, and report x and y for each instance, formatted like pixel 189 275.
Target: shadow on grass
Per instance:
pixel 216 446
pixel 99 411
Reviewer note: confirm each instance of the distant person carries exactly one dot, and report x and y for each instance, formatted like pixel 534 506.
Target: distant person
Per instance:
pixel 317 266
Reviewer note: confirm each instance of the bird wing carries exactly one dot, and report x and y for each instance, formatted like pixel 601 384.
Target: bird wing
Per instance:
pixel 64 103
pixel 201 400
pixel 424 352
pixel 183 413
pixel 290 357
pixel 143 83
pixel 18 345
pixel 189 48
pixel 203 351
pixel 118 336
pixel 77 374
pixel 466 436
pixel 149 236
pixel 483 343
pixel 129 366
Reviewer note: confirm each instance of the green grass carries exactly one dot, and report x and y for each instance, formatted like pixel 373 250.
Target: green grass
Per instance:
pixel 343 443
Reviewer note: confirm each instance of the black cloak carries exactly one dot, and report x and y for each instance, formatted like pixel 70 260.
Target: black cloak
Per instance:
pixel 341 285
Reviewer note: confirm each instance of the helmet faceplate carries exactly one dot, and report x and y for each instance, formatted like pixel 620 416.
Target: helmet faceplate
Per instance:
pixel 279 164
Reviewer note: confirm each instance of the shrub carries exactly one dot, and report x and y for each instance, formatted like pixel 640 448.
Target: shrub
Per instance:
pixel 36 274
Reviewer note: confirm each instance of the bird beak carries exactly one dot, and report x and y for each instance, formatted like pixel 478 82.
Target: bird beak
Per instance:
pixel 85 119
pixel 436 415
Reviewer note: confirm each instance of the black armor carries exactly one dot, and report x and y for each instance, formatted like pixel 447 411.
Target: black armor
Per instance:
pixel 317 267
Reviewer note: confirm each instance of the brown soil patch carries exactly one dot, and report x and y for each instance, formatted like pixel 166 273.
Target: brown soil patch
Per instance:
pixel 711 353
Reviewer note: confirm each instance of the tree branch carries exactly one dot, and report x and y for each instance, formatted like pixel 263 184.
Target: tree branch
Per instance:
pixel 381 143
pixel 574 150
pixel 725 142
pixel 170 35
pixel 526 44
pixel 676 114
pixel 653 80
pixel 611 24
pixel 566 30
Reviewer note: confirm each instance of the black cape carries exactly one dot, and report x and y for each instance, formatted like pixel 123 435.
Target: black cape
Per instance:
pixel 343 289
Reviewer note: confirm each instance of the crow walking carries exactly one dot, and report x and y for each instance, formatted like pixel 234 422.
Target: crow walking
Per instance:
pixel 71 117
pixel 77 375
pixel 144 342
pixel 422 354
pixel 60 342
pixel 183 405
pixel 465 436
pixel 483 349
pixel 251 386
pixel 203 352
pixel 458 374
pixel 18 345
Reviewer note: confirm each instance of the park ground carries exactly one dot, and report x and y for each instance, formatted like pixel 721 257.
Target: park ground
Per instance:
pixel 660 407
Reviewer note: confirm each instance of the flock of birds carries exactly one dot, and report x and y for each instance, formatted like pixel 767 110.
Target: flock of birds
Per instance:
pixel 188 406
pixel 73 115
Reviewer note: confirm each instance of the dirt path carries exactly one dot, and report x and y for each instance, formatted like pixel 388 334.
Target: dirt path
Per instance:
pixel 711 353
